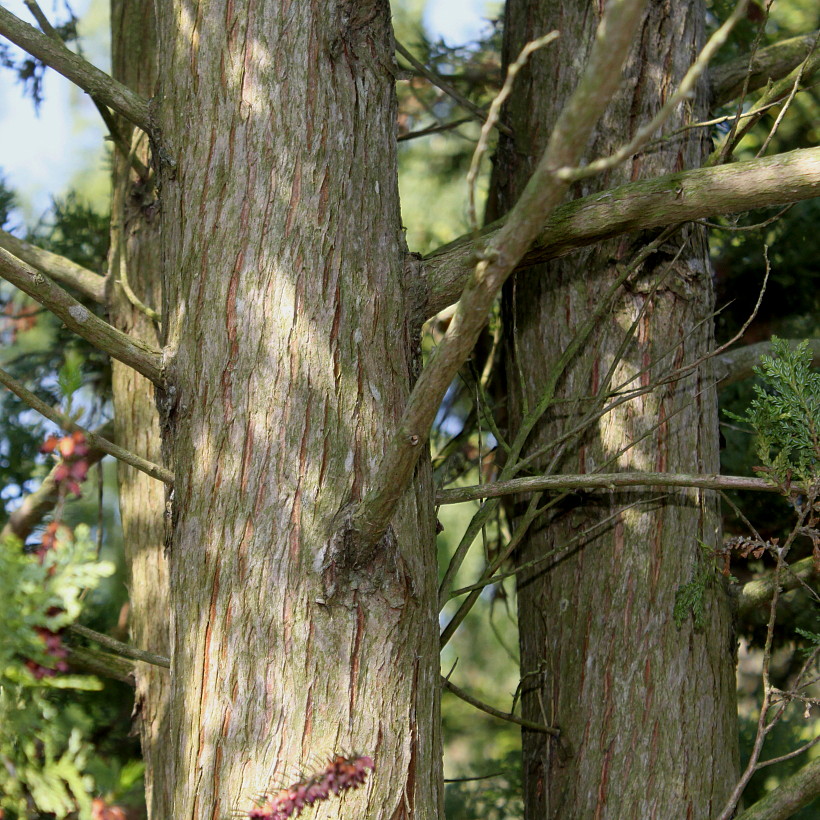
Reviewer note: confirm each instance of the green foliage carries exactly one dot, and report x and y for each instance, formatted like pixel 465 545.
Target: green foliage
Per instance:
pixel 785 415
pixel 44 755
pixel 689 598
pixel 812 637
pixel 70 376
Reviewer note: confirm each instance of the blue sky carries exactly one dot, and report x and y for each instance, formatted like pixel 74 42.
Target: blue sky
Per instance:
pixel 42 155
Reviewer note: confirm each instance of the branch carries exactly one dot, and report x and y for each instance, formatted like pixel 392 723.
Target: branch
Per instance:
pixel 439 82
pixel 36 505
pixel 601 481
pixel 772 63
pixel 94 440
pixel 143 358
pixel 499 259
pixel 789 797
pixel 107 116
pixel 59 268
pixel 119 648
pixel 94 662
pixel 88 77
pixel 755 594
pixel 491 710
pixel 736 365
pixel 654 203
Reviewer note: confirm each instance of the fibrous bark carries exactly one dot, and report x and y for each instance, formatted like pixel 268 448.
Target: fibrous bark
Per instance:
pixel 286 309
pixel 601 656
pixel 135 254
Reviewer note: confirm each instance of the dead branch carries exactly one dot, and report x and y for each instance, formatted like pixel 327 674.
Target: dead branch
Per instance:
pixel 64 61
pixel 79 319
pixel 58 267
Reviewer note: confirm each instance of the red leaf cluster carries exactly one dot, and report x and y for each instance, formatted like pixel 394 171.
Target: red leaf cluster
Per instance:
pixel 73 467
pixel 339 775
pixel 54 648
pixel 100 810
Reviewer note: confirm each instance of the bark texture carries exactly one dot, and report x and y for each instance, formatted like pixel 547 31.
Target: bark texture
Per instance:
pixel 135 254
pixel 646 710
pixel 292 360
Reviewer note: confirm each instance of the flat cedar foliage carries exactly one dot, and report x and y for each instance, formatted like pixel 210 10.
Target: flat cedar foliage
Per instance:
pixel 75 683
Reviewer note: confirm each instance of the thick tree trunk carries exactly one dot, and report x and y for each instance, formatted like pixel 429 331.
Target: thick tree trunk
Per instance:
pixel 135 256
pixel 285 308
pixel 646 710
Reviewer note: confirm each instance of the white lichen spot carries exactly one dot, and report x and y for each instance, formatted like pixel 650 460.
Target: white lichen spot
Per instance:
pixel 319 560
pixel 78 313
pixel 377 187
pixel 374 391
pixel 357 336
pixel 349 461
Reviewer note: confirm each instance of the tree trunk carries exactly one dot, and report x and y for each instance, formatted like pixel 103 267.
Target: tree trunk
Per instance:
pixel 646 710
pixel 290 362
pixel 135 256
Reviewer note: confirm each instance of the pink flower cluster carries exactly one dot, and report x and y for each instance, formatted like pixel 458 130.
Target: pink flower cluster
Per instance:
pixel 339 775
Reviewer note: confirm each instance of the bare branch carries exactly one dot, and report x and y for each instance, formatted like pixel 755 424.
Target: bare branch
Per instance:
pixel 88 77
pixel 683 91
pixel 119 648
pixel 542 195
pixel 94 440
pixel 36 505
pixel 755 594
pixel 789 797
pixel 58 267
pixel 772 63
pixel 736 365
pixel 783 88
pixel 655 203
pixel 102 664
pixel 491 710
pixel 79 319
pixel 448 89
pixel 107 117
pixel 601 481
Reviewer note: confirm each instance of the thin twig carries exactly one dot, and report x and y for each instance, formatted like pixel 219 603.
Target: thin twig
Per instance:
pixel 493 117
pixel 683 91
pixel 798 751
pixel 433 129
pixel 491 710
pixel 79 319
pixel 131 296
pixel 88 77
pixel 602 481
pixel 782 113
pixel 731 137
pixel 124 650
pixel 437 81
pixel 100 443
